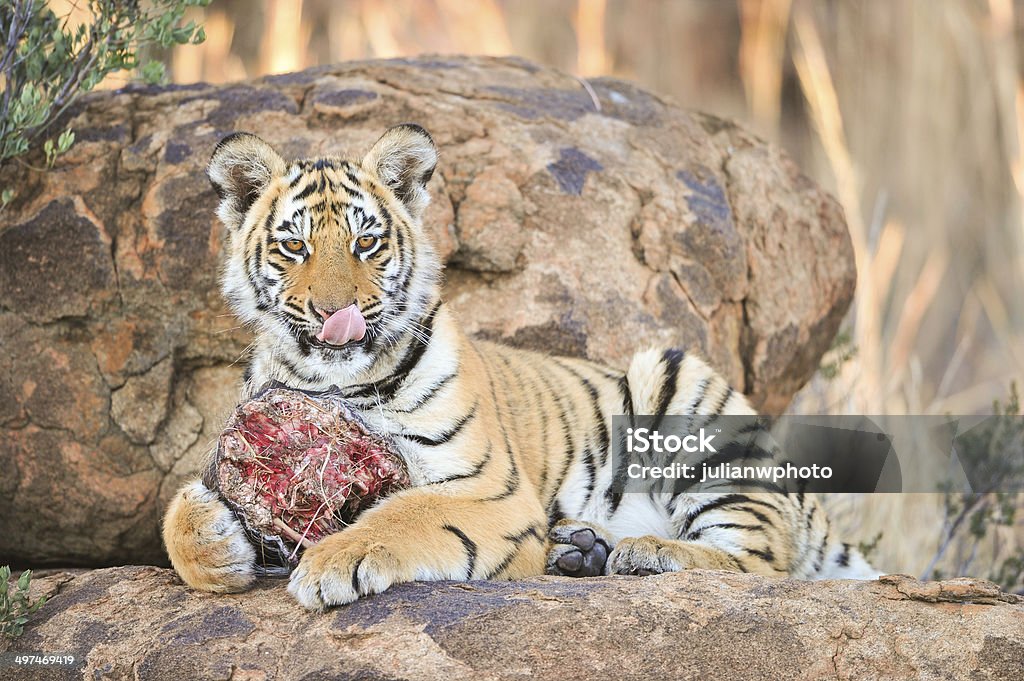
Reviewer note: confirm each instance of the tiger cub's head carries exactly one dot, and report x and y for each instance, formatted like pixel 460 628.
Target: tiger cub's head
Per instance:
pixel 328 254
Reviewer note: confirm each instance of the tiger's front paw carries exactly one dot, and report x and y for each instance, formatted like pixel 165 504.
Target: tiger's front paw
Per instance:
pixel 343 567
pixel 651 555
pixel 206 543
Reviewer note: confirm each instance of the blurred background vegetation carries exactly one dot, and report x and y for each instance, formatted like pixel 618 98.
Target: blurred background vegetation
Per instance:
pixel 910 112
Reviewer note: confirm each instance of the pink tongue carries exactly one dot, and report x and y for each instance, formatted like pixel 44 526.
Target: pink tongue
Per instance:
pixel 343 326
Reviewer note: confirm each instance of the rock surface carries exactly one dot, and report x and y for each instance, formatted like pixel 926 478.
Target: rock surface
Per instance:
pixel 140 622
pixel 573 226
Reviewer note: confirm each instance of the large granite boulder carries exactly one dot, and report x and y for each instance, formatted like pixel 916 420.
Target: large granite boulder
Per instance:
pixel 589 222
pixel 143 623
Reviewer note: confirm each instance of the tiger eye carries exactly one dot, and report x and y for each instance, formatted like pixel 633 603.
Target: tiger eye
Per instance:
pixel 294 245
pixel 366 241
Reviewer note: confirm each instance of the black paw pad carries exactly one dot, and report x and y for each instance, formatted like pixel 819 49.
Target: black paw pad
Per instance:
pixel 589 557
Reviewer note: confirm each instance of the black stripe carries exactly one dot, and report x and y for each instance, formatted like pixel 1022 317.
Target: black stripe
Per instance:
pixel 619 474
pixel 517 541
pixel 724 500
pixel 819 561
pixel 306 191
pixel 352 193
pixel 469 545
pixel 473 472
pixel 385 214
pixel 546 458
pixel 520 537
pixel 717 409
pixel 757 514
pixel 417 346
pixel 295 370
pixel 544 427
pixel 511 479
pixel 591 469
pixel 505 562
pixel 767 555
pixel 563 421
pixel 445 436
pixel 516 377
pixel 599 421
pixel 589 462
pixel 696 534
pixel 429 394
pixel 556 512
pixel 420 343
pixel 844 558
pixel 295 321
pixel 698 399
pixel 269 222
pixel 672 359
pixel 263 302
pixel 720 405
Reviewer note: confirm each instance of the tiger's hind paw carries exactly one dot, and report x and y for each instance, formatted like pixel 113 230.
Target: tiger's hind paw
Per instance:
pixel 645 556
pixel 577 549
pixel 650 555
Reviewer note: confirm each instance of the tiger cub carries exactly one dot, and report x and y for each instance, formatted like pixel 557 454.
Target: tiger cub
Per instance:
pixel 508 450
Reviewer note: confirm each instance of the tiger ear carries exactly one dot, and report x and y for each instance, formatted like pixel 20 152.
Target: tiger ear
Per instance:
pixel 241 167
pixel 404 159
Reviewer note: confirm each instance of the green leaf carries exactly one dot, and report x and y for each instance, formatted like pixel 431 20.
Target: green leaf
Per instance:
pixel 153 72
pixel 66 139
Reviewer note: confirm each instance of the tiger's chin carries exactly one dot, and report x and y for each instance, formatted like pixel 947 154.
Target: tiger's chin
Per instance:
pixel 338 354
pixel 324 345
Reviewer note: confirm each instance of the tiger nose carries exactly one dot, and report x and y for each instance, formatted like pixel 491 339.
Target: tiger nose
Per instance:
pixel 324 312
pixel 327 310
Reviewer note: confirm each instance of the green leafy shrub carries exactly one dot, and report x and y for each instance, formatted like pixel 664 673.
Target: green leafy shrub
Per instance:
pixel 15 605
pixel 45 64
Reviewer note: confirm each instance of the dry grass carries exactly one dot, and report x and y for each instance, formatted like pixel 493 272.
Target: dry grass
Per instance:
pixel 911 112
pixel 937 323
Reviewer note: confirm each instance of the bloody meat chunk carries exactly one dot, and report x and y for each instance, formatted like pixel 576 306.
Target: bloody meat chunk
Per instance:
pixel 295 467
